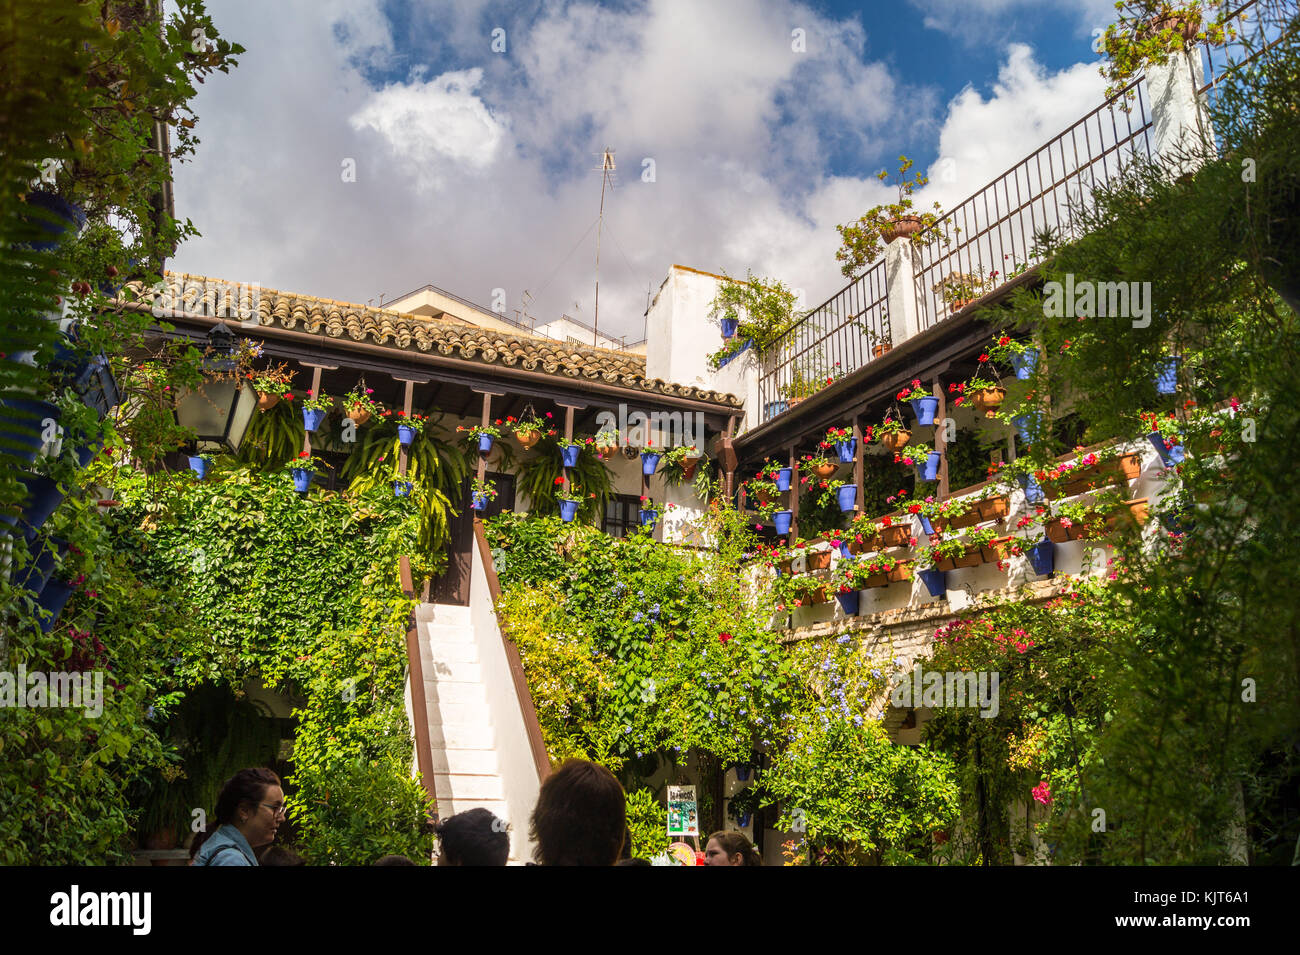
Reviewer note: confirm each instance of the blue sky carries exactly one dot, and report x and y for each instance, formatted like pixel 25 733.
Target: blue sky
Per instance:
pixel 474 167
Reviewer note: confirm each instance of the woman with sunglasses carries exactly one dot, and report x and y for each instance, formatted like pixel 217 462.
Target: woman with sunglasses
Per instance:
pixel 249 811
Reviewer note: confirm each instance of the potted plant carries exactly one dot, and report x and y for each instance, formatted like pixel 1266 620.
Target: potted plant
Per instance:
pixel 1042 556
pixel 359 406
pixel 569 454
pixel 1165 435
pixel 771 471
pixel 606 442
pixel 569 501
pixel 935 580
pixel 481 435
pixel 402 488
pixel 782 520
pixel 271 385
pixel 303 468
pixel 882 570
pixel 844 494
pixel 1150 33
pixel 480 492
pixel 529 429
pixel 949 553
pixel 763 488
pixel 926 459
pixel 679 463
pixel 842 440
pixel 763 312
pixel 924 404
pixel 959 289
pixel 650 459
pixel 819 463
pixel 650 511
pixel 1088 472
pixel 1021 356
pixel 314 409
pixel 890 432
pixel 864 240
pixel 983 391
pixel 200 464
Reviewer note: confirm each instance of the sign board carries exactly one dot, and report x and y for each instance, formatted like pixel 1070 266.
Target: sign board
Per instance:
pixel 683 817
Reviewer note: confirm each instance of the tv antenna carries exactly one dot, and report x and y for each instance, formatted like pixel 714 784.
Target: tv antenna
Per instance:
pixel 606 170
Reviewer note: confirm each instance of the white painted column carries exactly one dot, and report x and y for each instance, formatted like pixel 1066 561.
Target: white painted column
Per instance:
pixel 1180 126
pixel 900 288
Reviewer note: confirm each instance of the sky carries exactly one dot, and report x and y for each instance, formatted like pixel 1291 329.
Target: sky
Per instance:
pixel 365 148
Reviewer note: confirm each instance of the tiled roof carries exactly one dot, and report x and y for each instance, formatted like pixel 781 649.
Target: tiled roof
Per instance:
pixel 454 338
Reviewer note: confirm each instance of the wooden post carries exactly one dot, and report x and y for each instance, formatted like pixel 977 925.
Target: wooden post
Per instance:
pixel 794 496
pixel 406 407
pixel 487 416
pixel 568 437
pixel 941 416
pixel 315 391
pixel 858 463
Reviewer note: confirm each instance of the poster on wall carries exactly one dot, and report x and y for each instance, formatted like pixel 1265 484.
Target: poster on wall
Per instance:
pixel 683 819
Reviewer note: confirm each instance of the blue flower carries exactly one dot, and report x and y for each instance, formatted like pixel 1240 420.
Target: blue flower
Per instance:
pixel 636 617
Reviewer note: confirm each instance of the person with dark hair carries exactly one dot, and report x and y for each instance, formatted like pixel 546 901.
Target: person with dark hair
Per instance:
pixel 731 848
pixel 580 817
pixel 249 811
pixel 278 855
pixel 393 860
pixel 473 837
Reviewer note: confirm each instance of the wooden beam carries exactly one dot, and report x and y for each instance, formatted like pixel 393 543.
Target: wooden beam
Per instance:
pixel 487 416
pixel 858 463
pixel 406 406
pixel 315 390
pixel 794 495
pixel 940 445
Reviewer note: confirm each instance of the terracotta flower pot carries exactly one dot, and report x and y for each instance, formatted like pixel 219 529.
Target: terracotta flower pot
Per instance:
pixel 528 438
pixel 688 467
pixel 902 571
pixel 878 350
pixel 896 535
pixel 896 441
pixel 266 401
pixel 958 304
pixel 825 470
pixel 903 227
pixel 819 596
pixel 992 509
pixel 999 549
pixel 1119 470
pixel 795 401
pixel 606 450
pixel 359 416
pixel 1185 28
pixel 819 560
pixel 988 400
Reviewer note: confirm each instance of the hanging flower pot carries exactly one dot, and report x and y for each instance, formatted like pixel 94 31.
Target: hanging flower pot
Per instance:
pixel 43 498
pixel 689 465
pixel 729 327
pixel 819 560
pixel 484 443
pixel 301 479
pixel 848 602
pixel 988 400
pixel 568 511
pixel 847 496
pixel 358 414
pixel 825 470
pixel 53 598
pixel 1033 493
pixel 16 413
pixel 1042 556
pixel 1169 455
pixel 1025 363
pixel 650 462
pixel 606 450
pixel 266 401
pixel 528 438
pixel 479 501
pixel 781 521
pixel 1026 424
pixel 405 434
pixel 402 488
pixel 742 771
pixel 569 454
pixel 649 517
pixel 1167 378
pixel 199 465
pixel 312 418
pixel 846 450
pixel 935 582
pixel 896 441
pixel 925 409
pixel 929 470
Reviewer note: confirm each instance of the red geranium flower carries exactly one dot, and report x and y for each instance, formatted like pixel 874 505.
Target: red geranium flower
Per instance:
pixel 559 480
pixel 724 637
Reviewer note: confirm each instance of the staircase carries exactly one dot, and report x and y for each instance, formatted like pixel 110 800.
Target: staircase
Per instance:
pixel 463 733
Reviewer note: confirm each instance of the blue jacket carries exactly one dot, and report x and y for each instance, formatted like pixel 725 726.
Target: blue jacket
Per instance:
pixel 226 846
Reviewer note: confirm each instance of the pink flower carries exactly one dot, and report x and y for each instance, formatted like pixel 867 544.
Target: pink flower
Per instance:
pixel 1042 793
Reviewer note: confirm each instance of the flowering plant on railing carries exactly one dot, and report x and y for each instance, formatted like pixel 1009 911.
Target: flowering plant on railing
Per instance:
pixel 829 489
pixel 1149 32
pixel 273 381
pixel 480 487
pixel 805 384
pixel 863 240
pixel 315 402
pixel 959 289
pixel 473 432
pixel 913 453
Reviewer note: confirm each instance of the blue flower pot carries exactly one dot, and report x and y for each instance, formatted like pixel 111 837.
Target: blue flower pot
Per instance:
pixel 1167 378
pixel 648 519
pixel 312 418
pixel 847 496
pixel 929 470
pixel 34 576
pixel 743 819
pixel 1042 556
pixel 848 602
pixel 570 455
pixel 199 466
pixel 402 488
pixel 936 581
pixel 1033 493
pixel 43 498
pixel 1026 424
pixel 846 450
pixel 98 388
pixel 844 550
pixel 484 443
pixel 925 409
pixel 926 527
pixel 478 501
pixel 301 479
pixel 53 598
pixel 781 521
pixel 783 478
pixel 1025 363
pixel 568 511
pixel 737 354
pixel 650 461
pixel 22 420
pixel 405 434
pixel 71 218
pixel 1170 456
pixel 729 327
pixel 743 770
pixel 774 408
pixel 1179 523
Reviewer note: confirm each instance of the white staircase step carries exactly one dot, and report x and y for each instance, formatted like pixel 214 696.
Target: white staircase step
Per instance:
pixel 449 634
pixel 462 736
pixel 454 616
pixel 445 651
pixel 463 786
pixel 450 807
pixel 454 693
pixel 471 714
pixel 480 762
pixel 453 671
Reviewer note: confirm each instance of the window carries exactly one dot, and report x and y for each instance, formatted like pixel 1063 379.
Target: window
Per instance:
pixel 622 515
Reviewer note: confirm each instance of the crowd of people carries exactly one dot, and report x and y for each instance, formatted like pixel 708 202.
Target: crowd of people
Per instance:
pixel 580 819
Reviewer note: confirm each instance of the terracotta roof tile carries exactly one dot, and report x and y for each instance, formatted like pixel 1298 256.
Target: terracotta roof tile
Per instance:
pixel 452 338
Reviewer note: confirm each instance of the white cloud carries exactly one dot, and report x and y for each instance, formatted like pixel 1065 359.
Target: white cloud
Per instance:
pixel 982 21
pixel 434 125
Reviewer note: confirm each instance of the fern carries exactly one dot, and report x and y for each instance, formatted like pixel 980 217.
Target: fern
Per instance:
pixel 537 474
pixel 274 437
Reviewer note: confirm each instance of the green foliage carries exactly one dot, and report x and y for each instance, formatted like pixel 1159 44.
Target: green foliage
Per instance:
pixel 862 241
pixel 763 307
pixel 540 468
pixel 360 811
pixel 648 821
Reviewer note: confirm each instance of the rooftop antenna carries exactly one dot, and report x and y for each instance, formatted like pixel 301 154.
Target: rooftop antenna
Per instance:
pixel 606 171
pixel 525 300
